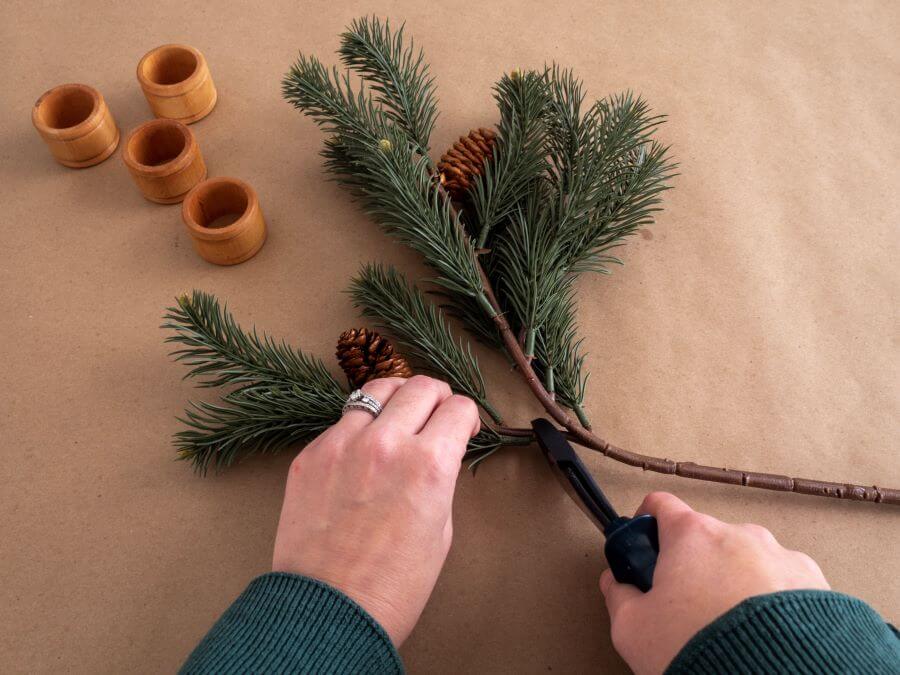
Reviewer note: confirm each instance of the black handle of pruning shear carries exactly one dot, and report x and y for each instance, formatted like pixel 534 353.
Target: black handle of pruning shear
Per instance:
pixel 632 544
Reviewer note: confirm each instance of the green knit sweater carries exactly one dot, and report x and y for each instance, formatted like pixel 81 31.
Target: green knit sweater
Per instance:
pixel 285 623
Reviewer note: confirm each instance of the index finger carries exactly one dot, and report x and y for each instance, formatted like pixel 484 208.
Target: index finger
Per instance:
pixel 413 404
pixel 455 420
pixel 663 506
pixel 666 508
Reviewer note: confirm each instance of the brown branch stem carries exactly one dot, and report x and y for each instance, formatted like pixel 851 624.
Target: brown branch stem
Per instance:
pixel 582 436
pixel 766 481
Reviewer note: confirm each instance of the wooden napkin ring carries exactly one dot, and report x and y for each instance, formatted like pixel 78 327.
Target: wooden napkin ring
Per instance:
pixel 75 123
pixel 176 81
pixel 164 160
pixel 224 220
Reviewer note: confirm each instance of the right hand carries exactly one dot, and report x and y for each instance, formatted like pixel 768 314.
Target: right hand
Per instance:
pixel 705 568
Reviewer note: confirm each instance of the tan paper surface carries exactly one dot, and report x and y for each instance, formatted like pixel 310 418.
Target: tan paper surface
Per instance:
pixel 756 327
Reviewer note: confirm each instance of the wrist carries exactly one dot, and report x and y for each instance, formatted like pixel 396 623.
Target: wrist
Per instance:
pixel 277 612
pixel 792 630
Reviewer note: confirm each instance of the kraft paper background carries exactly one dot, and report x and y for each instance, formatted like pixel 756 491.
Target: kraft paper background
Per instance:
pixel 754 326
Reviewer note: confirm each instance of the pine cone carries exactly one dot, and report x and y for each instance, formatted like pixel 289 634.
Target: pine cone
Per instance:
pixel 465 160
pixel 364 355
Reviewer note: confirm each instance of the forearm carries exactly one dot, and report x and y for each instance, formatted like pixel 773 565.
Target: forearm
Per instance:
pixel 290 623
pixel 796 632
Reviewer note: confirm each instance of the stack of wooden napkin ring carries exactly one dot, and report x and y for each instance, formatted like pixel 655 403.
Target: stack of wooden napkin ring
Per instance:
pixel 162 155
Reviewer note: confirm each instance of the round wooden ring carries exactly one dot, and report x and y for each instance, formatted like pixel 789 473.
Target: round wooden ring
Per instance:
pixel 164 160
pixel 224 220
pixel 76 125
pixel 177 83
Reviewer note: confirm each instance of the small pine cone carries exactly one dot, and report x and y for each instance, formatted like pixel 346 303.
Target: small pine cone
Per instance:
pixel 465 160
pixel 364 355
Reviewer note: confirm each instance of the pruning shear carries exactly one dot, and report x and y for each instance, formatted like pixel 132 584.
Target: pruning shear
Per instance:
pixel 632 544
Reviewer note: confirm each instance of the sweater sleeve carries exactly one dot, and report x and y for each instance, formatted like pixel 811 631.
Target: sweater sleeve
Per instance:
pixel 793 632
pixel 284 623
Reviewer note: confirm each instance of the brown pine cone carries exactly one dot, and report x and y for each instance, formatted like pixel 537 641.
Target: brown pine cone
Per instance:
pixel 465 160
pixel 364 355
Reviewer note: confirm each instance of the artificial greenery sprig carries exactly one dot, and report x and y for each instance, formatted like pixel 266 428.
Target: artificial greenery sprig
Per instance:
pixel 528 270
pixel 602 180
pixel 397 74
pixel 559 362
pixel 569 181
pixel 518 159
pixel 384 295
pixel 383 168
pixel 220 352
pixel 282 395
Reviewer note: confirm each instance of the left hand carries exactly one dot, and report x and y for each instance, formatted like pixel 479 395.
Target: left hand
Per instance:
pixel 367 508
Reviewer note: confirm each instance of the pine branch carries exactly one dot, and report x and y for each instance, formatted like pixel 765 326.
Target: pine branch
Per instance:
pixel 488 441
pixel 389 176
pixel 385 170
pixel 397 73
pixel 402 198
pixel 559 359
pixel 606 169
pixel 518 158
pixel 604 177
pixel 258 419
pixel 283 395
pixel 329 99
pixel 633 197
pixel 217 349
pixel 471 314
pixel 384 295
pixel 269 420
pixel 568 131
pixel 526 264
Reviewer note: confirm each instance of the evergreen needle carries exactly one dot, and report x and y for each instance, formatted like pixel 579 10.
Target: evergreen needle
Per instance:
pixel 383 294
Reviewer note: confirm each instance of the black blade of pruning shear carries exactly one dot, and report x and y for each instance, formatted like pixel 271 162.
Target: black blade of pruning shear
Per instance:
pixel 573 475
pixel 632 544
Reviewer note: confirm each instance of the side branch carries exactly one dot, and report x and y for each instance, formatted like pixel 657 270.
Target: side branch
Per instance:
pixel 765 481
pixel 582 436
pixel 579 434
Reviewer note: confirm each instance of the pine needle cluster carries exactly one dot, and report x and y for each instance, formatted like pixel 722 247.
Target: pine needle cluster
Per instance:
pixel 568 182
pixel 280 395
pixel 384 295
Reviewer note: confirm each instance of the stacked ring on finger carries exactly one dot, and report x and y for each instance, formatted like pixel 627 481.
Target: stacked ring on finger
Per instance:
pixel 360 400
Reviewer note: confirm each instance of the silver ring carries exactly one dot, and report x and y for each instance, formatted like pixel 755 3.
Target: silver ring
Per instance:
pixel 360 400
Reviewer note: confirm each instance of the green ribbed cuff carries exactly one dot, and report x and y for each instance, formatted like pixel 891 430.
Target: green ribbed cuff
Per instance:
pixel 284 623
pixel 793 632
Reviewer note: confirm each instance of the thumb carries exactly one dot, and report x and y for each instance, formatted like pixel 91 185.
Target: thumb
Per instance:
pixel 616 594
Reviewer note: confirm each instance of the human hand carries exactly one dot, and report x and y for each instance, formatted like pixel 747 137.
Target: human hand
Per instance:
pixel 367 508
pixel 705 567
